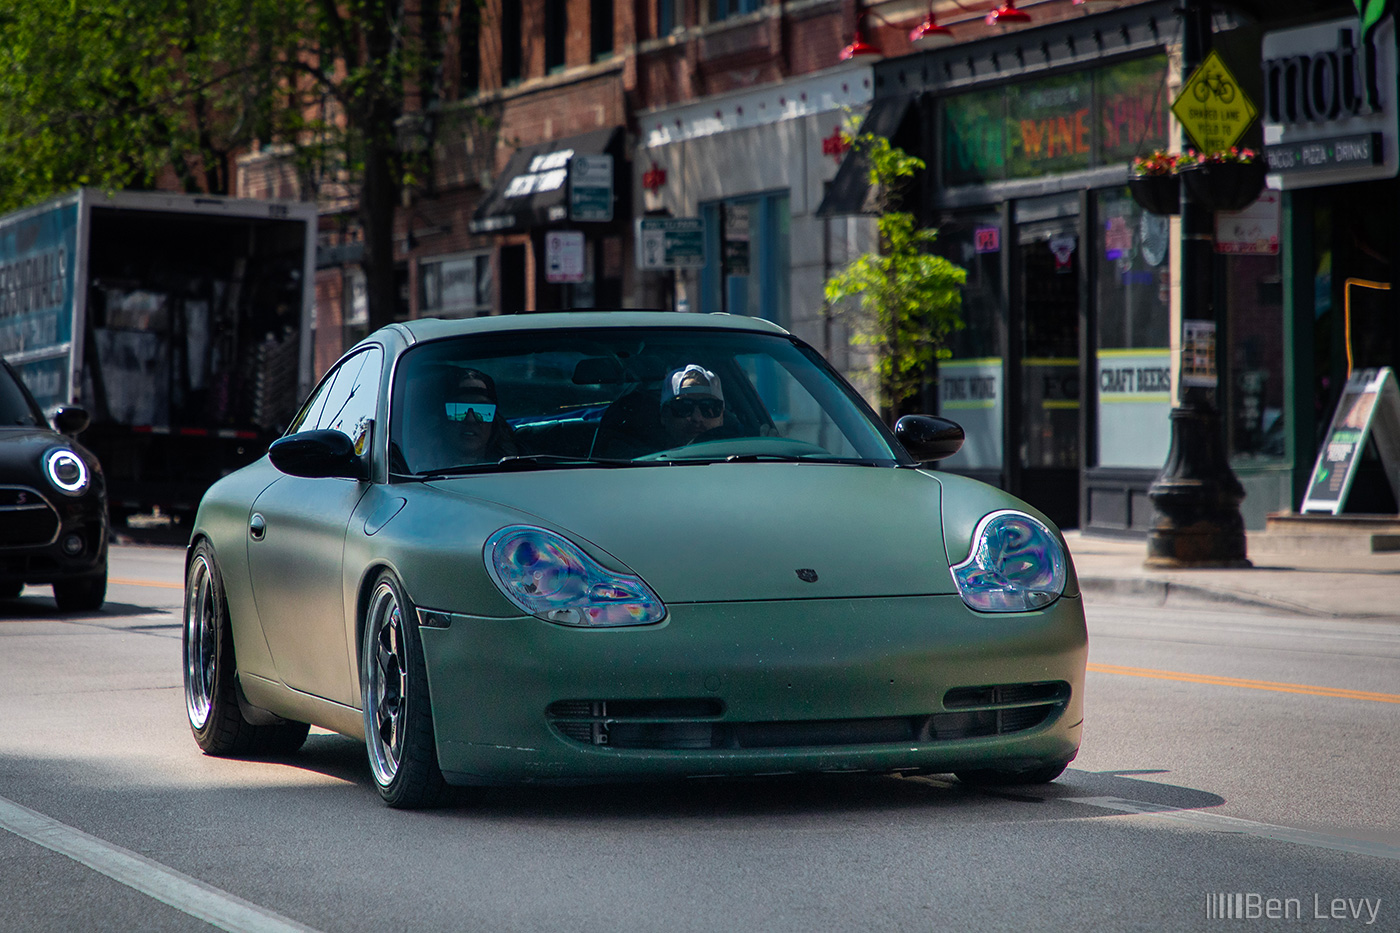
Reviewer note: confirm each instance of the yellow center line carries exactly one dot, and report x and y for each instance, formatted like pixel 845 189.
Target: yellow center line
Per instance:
pixel 166 586
pixel 1249 684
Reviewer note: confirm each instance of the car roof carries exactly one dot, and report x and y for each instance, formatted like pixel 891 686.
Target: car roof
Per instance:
pixel 434 328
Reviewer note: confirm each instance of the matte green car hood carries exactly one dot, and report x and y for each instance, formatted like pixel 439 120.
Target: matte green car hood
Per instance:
pixel 731 531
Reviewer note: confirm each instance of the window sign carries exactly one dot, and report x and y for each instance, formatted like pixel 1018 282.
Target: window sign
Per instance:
pixel 1253 231
pixel 1048 126
pixel 1132 109
pixel 1058 124
pixel 736 239
pixel 970 392
pixel 974 133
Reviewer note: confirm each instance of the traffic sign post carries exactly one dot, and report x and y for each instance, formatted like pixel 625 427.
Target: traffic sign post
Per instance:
pixel 670 243
pixel 564 253
pixel 1196 498
pixel 591 188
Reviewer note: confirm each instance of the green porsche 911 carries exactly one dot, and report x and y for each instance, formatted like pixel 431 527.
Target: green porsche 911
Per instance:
pixel 598 546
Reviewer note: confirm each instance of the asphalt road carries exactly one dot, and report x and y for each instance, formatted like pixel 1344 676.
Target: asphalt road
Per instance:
pixel 1231 762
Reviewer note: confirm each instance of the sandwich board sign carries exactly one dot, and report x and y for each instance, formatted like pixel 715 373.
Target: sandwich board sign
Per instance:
pixel 1369 407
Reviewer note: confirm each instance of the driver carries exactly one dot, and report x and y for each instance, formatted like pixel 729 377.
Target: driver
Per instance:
pixel 692 404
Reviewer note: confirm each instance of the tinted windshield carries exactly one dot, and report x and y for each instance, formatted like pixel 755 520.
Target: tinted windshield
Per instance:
pixel 632 395
pixel 15 406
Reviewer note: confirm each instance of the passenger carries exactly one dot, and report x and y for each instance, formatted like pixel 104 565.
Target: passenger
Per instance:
pixel 692 405
pixel 474 430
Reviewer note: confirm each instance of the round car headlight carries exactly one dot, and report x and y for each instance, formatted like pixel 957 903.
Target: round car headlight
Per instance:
pixel 551 578
pixel 66 471
pixel 1016 564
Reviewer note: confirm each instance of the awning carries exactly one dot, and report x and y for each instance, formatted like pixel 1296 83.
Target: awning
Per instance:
pixel 533 191
pixel 894 118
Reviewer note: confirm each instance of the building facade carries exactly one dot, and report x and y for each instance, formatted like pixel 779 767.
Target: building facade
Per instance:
pixel 579 141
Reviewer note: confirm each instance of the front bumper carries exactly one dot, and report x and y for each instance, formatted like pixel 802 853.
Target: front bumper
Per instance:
pixel 758 688
pixel 47 538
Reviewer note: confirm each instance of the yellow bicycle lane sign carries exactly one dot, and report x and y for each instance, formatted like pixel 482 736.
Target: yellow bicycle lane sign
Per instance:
pixel 1212 107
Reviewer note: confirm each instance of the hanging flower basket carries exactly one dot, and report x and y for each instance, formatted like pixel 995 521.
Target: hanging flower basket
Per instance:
pixel 1225 186
pixel 1156 194
pixel 1154 184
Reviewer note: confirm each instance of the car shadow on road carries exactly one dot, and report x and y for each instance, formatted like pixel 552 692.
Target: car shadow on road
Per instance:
pixel 796 796
pixel 41 608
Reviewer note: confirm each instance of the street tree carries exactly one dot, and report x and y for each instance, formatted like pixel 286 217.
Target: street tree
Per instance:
pixel 905 299
pixel 154 93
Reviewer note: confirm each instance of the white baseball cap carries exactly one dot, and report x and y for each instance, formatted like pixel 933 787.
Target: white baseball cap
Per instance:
pixel 707 387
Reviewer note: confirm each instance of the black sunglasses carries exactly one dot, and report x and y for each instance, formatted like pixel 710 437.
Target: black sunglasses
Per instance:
pixel 709 407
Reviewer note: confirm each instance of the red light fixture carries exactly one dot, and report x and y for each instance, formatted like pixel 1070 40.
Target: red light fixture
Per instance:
pixel 928 34
pixel 859 47
pixel 1006 14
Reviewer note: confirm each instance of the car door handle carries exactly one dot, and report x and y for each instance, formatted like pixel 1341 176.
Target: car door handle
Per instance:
pixel 257 526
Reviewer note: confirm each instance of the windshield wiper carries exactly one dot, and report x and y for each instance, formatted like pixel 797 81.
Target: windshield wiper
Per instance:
pixel 523 462
pixel 772 458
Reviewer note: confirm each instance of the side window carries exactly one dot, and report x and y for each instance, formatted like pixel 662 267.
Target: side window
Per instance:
pixel 347 399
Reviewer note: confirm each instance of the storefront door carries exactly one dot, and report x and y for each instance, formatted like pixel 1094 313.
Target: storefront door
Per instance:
pixel 1045 425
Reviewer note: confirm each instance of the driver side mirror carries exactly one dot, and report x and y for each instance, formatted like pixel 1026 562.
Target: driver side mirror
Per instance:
pixel 71 420
pixel 317 454
pixel 929 438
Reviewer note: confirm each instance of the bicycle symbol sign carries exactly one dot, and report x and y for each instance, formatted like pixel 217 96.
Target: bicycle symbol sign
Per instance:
pixel 1212 107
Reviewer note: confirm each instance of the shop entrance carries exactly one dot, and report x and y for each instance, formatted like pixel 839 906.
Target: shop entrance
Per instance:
pixel 1045 393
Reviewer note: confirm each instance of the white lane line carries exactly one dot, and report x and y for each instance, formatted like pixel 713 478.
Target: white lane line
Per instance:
pixel 188 895
pixel 1230 824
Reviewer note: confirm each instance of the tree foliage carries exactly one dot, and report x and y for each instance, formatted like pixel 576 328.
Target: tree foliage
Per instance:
pixel 906 299
pixel 124 94
pixel 118 93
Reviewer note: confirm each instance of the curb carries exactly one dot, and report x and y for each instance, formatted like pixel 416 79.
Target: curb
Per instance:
pixel 1163 593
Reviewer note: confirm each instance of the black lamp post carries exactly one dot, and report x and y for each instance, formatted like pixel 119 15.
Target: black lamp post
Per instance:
pixel 1197 496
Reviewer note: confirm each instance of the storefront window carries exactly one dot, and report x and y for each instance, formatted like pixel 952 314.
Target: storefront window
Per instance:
pixel 1133 359
pixel 1256 399
pixel 455 286
pixel 1056 124
pixel 971 383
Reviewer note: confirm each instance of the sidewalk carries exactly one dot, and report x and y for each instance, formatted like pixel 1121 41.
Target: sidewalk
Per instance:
pixel 1314 583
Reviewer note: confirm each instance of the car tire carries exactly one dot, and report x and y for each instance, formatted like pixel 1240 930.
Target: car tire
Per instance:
pixel 210 671
pixel 81 594
pixel 394 696
pixel 994 777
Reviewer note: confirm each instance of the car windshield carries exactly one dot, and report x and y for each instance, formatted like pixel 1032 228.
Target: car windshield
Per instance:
pixel 15 407
pixel 624 396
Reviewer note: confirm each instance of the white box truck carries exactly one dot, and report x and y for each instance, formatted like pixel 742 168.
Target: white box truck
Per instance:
pixel 182 323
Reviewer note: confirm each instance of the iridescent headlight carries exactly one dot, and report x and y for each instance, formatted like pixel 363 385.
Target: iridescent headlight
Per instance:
pixel 551 578
pixel 1016 564
pixel 66 470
